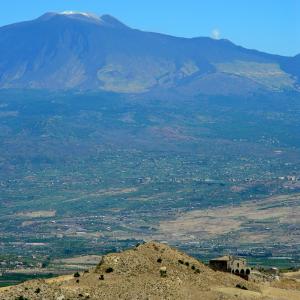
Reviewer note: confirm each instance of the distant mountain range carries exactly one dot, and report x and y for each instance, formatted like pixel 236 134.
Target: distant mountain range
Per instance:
pixel 82 51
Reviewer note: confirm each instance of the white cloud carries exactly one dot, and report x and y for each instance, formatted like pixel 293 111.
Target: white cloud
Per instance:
pixel 216 34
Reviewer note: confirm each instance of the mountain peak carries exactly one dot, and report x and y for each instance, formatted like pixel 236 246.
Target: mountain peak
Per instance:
pixel 78 13
pixel 104 20
pixel 107 55
pixel 112 21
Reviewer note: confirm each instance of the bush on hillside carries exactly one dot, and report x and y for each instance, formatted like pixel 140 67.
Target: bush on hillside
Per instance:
pixel 109 270
pixel 76 274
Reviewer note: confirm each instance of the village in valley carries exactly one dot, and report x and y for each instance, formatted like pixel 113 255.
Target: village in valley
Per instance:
pixel 201 182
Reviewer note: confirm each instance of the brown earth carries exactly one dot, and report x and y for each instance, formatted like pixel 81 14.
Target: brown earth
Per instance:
pixel 37 214
pixel 270 218
pixel 149 271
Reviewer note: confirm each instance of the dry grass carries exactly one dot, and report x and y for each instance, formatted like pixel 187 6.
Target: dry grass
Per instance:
pixel 37 214
pixel 267 216
pixel 135 274
pixel 105 193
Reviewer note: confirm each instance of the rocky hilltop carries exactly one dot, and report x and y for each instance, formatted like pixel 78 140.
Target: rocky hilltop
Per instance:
pixel 151 271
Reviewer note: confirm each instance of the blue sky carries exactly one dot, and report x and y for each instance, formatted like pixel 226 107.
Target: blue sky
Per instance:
pixel 267 25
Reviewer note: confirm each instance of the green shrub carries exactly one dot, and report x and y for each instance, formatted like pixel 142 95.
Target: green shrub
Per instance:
pixel 109 270
pixel 76 274
pixel 163 272
pixel 239 286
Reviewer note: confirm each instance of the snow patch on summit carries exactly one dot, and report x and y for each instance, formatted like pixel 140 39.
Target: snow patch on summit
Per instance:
pixel 88 15
pixel 105 20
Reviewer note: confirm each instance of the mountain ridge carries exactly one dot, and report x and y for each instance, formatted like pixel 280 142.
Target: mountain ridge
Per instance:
pixel 105 20
pixel 74 50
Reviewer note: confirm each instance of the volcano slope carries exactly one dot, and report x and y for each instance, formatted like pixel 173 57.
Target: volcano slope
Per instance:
pixel 149 271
